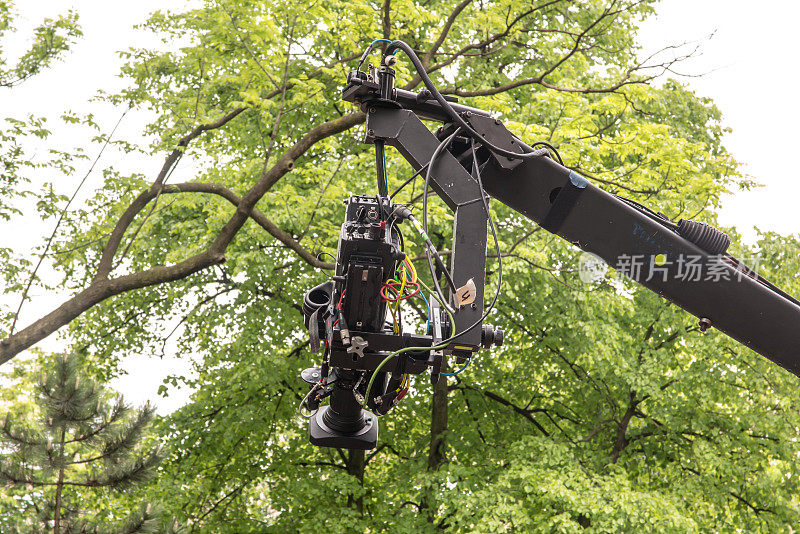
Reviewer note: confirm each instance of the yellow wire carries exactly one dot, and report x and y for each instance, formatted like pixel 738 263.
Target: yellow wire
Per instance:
pixel 404 383
pixel 413 270
pixel 397 303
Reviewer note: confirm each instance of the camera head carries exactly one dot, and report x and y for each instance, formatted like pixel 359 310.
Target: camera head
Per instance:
pixel 355 319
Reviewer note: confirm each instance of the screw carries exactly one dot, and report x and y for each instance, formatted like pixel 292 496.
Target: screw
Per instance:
pixel 473 306
pixel 704 324
pixel 370 132
pixel 372 109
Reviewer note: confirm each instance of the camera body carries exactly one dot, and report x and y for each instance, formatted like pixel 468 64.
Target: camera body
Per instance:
pixel 367 256
pixel 350 315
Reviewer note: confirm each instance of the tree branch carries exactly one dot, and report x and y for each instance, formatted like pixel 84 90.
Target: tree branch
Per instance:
pixel 111 247
pixel 103 288
pixel 426 60
pixel 257 216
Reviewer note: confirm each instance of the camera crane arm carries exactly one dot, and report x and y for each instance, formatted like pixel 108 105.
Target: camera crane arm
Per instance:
pixel 367 363
pixel 736 300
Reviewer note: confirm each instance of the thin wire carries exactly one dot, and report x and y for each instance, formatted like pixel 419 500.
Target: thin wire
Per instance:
pixel 303 402
pixel 447 275
pixel 446 342
pixel 369 49
pixel 496 246
pixel 408 181
pixel 60 219
pixel 456 373
pixel 404 350
pixel 551 148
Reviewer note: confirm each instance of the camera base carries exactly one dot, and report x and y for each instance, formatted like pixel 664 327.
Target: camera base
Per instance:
pixel 323 436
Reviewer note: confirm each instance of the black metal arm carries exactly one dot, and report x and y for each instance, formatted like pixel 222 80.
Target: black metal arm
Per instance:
pixel 735 300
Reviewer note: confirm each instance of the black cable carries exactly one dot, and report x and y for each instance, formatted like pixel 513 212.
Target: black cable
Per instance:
pixel 476 136
pixel 408 181
pixel 439 261
pixel 380 163
pixel 393 227
pixel 400 45
pixel 551 148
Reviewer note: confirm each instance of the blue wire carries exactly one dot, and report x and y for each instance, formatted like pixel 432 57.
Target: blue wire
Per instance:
pixel 385 174
pixel 469 361
pixel 368 50
pixel 428 324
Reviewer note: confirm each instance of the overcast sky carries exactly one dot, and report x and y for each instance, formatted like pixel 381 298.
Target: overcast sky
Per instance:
pixel 750 68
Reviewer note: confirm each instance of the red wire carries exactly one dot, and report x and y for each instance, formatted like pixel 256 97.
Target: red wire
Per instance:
pixel 339 305
pixel 394 287
pixel 410 270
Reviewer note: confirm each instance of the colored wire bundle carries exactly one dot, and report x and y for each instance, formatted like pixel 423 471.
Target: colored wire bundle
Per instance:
pixel 408 281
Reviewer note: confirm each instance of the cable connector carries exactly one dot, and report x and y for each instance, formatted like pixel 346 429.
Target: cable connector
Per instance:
pixel 344 331
pixel 402 212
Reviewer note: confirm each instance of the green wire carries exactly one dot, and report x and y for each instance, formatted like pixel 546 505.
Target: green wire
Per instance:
pixel 385 193
pixel 383 189
pixel 406 349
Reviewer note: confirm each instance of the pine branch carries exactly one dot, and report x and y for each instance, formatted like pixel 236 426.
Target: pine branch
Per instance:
pixel 128 472
pixel 21 436
pixel 91 434
pixel 125 439
pixel 145 519
pixel 68 400
pixel 77 434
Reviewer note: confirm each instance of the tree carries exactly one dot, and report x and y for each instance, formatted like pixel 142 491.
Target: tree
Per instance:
pixel 606 409
pixel 77 440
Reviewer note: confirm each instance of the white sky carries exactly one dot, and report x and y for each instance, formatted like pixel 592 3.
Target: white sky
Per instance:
pixel 751 71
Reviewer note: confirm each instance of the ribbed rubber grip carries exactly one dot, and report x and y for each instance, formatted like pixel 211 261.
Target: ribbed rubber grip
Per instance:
pixel 704 236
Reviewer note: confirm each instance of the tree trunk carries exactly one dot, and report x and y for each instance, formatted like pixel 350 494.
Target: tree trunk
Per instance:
pixel 436 450
pixel 59 485
pixel 436 453
pixel 355 467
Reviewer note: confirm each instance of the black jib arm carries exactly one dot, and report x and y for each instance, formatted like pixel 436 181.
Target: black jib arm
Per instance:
pixel 686 263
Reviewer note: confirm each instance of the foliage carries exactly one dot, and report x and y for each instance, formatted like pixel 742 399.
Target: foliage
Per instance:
pixel 605 411
pixel 50 40
pixel 76 442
